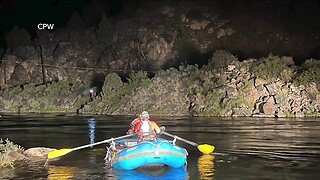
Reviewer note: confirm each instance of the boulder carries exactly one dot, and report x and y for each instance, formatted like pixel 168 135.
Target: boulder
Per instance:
pixel 232 92
pixel 223 32
pixel 37 153
pixel 272 88
pixel 241 111
pixel 16 156
pixel 19 76
pixel 261 90
pixel 259 81
pixel 198 24
pixel 269 108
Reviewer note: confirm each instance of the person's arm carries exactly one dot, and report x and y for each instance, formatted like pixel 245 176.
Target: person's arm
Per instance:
pixel 130 131
pixel 132 127
pixel 155 127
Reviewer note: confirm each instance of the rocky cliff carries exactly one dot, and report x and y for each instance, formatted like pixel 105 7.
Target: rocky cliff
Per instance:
pixel 232 90
pixel 268 87
pixel 162 59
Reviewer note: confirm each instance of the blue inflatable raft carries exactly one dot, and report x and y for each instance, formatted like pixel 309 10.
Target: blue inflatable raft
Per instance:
pixel 162 173
pixel 134 155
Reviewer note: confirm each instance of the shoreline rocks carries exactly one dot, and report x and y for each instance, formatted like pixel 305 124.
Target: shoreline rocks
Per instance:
pixel 30 155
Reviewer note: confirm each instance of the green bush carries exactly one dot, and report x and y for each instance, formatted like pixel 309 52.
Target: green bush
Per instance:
pixel 221 59
pixel 311 63
pixel 309 72
pixel 272 67
pixel 308 76
pixel 139 79
pixel 81 100
pixel 43 98
pixel 114 91
pixel 30 88
pixel 190 72
pixel 6 147
pixel 58 88
pixel 245 86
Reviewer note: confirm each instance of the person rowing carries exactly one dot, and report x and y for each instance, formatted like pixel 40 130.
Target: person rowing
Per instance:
pixel 144 127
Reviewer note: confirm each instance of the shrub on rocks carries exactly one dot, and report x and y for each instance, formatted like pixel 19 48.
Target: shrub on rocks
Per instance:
pixel 272 67
pixel 115 92
pixel 310 72
pixel 221 59
pixel 6 150
pixel 58 96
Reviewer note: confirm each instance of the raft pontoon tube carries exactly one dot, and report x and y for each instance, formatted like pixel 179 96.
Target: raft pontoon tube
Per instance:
pixel 149 153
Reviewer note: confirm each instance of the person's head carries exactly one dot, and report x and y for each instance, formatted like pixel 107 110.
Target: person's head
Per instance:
pixel 144 116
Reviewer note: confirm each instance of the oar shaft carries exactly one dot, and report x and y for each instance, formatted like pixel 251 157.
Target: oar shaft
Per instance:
pixel 61 152
pixel 181 139
pixel 102 142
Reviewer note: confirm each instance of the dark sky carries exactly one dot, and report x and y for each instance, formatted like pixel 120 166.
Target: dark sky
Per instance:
pixel 299 15
pixel 28 13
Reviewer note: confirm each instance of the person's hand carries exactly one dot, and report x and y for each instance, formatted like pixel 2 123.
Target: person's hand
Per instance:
pixel 162 128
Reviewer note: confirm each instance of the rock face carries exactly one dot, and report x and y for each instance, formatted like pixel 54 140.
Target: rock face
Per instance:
pixel 207 92
pixel 157 36
pixel 216 89
pixel 28 156
pixel 77 53
pixel 43 75
pixel 189 90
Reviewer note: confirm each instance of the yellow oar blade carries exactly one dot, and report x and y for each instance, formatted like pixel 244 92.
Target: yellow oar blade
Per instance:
pixel 58 153
pixel 206 148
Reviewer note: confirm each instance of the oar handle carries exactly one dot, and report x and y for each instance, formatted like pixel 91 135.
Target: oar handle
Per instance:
pixel 102 142
pixel 181 139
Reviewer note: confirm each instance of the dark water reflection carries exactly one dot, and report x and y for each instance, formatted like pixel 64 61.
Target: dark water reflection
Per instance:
pixel 246 148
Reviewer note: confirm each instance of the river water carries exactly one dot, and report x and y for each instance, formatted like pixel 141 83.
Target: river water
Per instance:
pixel 246 148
